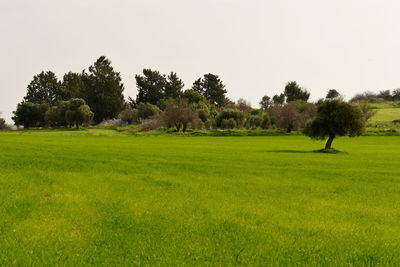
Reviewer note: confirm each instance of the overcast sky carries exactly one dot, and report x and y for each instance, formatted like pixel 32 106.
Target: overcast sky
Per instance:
pixel 256 46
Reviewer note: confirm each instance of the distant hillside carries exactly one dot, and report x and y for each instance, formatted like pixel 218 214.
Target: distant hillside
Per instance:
pixel 386 111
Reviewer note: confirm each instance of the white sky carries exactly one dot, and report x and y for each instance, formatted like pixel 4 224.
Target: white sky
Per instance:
pixel 256 46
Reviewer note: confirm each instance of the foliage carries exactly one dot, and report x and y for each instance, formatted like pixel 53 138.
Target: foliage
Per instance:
pixel 146 111
pixel 29 114
pixel 227 114
pixel 78 112
pixel 336 118
pixel 212 88
pixel 367 111
pixel 279 99
pixel 243 105
pixel 154 87
pixel 294 92
pixel 72 86
pixel 56 115
pixel 332 93
pixel 179 114
pixel 286 117
pixel 129 116
pixel 152 123
pixel 44 89
pixel 103 90
pixel 266 102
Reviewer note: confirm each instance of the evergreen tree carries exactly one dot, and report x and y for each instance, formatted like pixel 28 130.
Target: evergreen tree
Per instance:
pixel 102 90
pixel 44 88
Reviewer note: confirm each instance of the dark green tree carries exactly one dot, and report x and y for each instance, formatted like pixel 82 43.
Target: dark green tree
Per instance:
pixel 336 118
pixel 294 92
pixel 212 88
pixel 151 87
pixel 332 93
pixel 78 112
pixel 173 86
pixel 265 102
pixel 278 99
pixel 72 86
pixel 103 90
pixel 44 88
pixel 29 114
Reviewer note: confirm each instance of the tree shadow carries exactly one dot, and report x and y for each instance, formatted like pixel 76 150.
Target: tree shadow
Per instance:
pixel 322 151
pixel 287 151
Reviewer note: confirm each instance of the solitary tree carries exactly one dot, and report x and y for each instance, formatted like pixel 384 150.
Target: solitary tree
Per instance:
pixel 336 118
pixel 103 90
pixel 44 88
pixel 332 93
pixel 293 92
pixel 212 88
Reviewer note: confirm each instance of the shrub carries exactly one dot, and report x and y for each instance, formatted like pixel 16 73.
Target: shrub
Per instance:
pixel 226 114
pixel 152 123
pixel 228 123
pixel 179 114
pixel 146 111
pixel 129 116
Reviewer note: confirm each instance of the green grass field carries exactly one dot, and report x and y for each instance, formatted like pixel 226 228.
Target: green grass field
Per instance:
pixel 75 200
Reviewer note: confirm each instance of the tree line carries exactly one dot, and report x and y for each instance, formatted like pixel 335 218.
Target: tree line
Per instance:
pixel 96 94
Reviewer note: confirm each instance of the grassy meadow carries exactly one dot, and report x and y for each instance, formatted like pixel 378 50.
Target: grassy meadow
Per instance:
pixel 73 199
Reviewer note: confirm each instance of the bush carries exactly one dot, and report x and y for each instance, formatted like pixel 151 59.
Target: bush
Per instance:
pixel 227 114
pixel 146 111
pixel 228 124
pixel 152 123
pixel 129 116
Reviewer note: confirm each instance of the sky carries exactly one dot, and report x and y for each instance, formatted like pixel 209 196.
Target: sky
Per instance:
pixel 255 46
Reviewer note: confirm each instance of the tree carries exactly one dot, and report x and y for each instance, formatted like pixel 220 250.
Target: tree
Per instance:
pixel 336 118
pixel 212 88
pixel 332 93
pixel 265 102
pixel 78 112
pixel 103 90
pixel 2 123
pixel 151 87
pixel 173 86
pixel 367 111
pixel 146 111
pixel 278 99
pixel 243 105
pixel 230 114
pixel 72 86
pixel 56 115
pixel 286 117
pixel 396 94
pixel 294 92
pixel 179 114
pixel 30 115
pixel 385 95
pixel 44 88
pixel 129 116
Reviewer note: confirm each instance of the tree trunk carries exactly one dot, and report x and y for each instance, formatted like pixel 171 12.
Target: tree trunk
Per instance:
pixel 184 127
pixel 329 142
